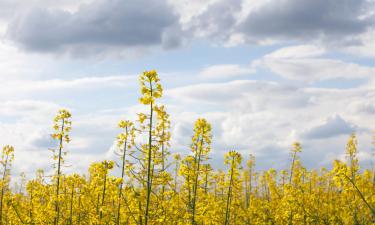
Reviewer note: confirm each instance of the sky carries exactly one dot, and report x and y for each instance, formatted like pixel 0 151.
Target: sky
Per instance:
pixel 264 73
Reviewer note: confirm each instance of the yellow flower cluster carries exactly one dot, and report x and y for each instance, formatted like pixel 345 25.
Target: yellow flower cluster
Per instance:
pixel 151 88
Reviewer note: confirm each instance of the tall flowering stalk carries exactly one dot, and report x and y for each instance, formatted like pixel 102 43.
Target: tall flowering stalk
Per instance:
pixel 151 90
pixel 200 147
pixel 233 159
pixel 125 141
pixel 62 126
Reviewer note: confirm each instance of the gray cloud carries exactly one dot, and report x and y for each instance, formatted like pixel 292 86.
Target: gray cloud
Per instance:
pixel 6 8
pixel 117 26
pixel 10 7
pixel 98 26
pixel 218 21
pixel 332 127
pixel 366 107
pixel 307 20
pixel 43 141
pixel 332 22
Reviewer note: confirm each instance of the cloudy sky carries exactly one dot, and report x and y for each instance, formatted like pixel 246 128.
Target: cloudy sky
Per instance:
pixel 264 73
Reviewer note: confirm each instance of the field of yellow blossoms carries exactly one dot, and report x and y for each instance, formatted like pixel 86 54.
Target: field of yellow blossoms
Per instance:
pixel 156 187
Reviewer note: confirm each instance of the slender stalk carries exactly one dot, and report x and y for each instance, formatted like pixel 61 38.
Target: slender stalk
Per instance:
pixel 17 213
pixel 79 206
pixel 104 190
pixel 361 195
pixel 122 180
pixel 292 167
pixel 195 187
pixel 229 196
pixel 71 205
pixel 149 161
pixel 31 206
pixel 57 209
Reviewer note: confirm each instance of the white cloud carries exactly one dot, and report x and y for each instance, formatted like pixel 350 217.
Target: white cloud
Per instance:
pixel 18 87
pixel 265 118
pixel 225 71
pixel 15 64
pixel 27 108
pixel 297 51
pixel 302 64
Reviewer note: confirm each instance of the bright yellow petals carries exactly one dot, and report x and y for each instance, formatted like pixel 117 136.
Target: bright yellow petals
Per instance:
pixel 151 88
